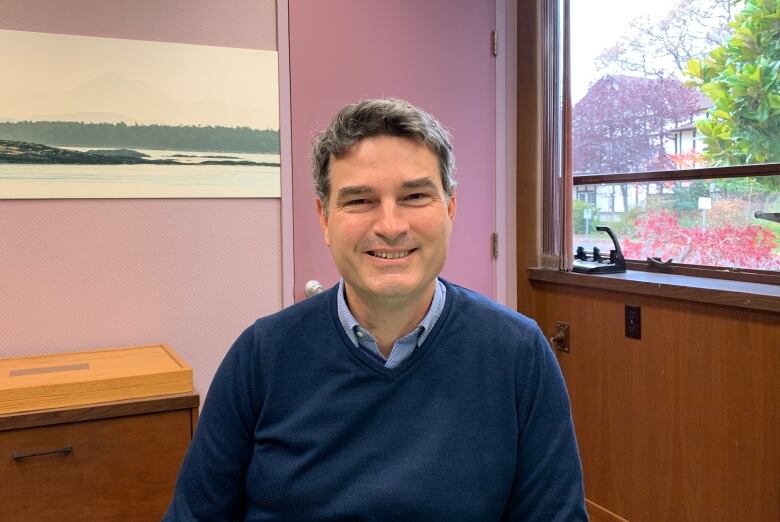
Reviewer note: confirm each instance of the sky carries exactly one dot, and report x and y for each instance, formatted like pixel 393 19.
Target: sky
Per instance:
pixel 171 83
pixel 597 25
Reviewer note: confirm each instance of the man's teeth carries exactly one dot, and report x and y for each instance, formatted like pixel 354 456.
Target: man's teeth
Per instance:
pixel 391 255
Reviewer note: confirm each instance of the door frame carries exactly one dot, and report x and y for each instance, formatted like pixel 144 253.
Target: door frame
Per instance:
pixel 285 151
pixel 506 153
pixel 505 280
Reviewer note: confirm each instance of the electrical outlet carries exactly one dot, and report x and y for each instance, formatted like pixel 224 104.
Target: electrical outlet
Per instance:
pixel 633 322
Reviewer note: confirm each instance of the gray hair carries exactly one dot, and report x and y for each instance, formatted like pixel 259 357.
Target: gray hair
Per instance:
pixel 382 117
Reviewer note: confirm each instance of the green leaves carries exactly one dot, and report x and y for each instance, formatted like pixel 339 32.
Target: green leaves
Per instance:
pixel 774 101
pixel 695 68
pixel 741 77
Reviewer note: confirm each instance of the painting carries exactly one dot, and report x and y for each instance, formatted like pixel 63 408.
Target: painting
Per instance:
pixel 97 117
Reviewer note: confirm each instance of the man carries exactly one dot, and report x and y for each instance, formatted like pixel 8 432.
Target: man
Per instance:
pixel 395 395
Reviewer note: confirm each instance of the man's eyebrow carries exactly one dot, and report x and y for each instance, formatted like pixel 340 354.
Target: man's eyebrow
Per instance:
pixel 354 190
pixel 425 182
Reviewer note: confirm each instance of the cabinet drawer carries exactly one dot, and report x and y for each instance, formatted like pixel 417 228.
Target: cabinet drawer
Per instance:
pixel 122 468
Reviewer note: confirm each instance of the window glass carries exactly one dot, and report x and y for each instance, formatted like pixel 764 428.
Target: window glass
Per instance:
pixel 701 222
pixel 669 85
pixel 651 91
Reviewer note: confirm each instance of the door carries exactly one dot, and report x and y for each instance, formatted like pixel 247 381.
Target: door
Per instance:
pixel 437 54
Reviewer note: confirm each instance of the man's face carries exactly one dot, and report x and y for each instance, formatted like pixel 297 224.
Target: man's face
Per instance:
pixel 388 220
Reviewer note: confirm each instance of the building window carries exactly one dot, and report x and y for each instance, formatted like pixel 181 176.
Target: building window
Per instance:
pixel 675 124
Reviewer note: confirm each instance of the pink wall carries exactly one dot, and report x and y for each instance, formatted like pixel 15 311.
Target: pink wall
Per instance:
pixel 248 24
pixel 84 274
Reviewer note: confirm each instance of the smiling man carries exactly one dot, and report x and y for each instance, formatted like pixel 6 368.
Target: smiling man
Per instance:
pixel 395 395
pixel 388 225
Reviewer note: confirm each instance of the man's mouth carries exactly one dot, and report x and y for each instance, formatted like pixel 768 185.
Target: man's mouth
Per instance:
pixel 390 255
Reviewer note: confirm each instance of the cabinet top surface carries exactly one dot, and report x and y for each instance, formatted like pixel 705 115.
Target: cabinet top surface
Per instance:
pixel 79 367
pixel 161 403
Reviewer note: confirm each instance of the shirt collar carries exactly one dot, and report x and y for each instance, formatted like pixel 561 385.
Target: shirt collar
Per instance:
pixel 349 323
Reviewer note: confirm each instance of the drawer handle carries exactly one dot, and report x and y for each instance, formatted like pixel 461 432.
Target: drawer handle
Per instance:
pixel 64 450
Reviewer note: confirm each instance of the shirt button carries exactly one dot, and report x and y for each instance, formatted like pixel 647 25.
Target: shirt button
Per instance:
pixel 359 334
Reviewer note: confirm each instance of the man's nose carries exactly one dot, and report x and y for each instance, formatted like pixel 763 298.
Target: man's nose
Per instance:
pixel 390 224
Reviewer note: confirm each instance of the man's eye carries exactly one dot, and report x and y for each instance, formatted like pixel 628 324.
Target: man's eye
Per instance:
pixel 418 197
pixel 355 202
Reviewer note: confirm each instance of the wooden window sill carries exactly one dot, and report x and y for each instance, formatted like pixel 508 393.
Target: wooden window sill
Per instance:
pixel 756 296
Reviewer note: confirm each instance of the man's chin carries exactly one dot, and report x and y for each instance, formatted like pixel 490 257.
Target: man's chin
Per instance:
pixel 394 289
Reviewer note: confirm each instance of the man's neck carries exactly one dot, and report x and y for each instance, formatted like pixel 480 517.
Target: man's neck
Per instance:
pixel 388 319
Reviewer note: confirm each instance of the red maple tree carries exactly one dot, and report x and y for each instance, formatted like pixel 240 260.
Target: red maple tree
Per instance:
pixel 659 234
pixel 687 160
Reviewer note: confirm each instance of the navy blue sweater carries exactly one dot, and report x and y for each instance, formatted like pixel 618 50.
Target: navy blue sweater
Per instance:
pixel 299 424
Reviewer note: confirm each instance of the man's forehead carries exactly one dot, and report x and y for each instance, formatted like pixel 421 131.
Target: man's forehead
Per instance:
pixel 384 162
pixel 410 184
pixel 356 180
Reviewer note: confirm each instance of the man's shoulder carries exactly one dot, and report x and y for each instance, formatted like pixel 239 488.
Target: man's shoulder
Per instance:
pixel 302 316
pixel 478 328
pixel 301 324
pixel 473 306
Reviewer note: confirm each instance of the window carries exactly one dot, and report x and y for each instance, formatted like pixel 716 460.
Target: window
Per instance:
pixel 675 129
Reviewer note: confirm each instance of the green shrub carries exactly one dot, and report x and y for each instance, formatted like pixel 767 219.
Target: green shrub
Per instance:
pixel 579 217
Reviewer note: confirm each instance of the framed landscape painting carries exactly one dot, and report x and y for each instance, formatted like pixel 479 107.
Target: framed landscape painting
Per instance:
pixel 96 117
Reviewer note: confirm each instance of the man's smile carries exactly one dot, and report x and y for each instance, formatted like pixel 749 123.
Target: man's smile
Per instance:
pixel 384 254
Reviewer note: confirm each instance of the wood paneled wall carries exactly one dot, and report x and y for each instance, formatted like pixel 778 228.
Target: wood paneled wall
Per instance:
pixel 682 424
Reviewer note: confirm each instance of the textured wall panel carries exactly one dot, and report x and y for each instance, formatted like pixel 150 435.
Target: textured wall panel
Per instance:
pixel 248 24
pixel 85 274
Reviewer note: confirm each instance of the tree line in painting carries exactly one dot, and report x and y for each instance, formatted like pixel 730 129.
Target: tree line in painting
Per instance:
pixel 159 137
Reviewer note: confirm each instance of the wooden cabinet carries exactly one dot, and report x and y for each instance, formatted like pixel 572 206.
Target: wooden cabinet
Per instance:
pixel 111 461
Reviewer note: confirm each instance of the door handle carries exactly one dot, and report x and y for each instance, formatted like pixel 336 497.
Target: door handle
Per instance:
pixel 313 287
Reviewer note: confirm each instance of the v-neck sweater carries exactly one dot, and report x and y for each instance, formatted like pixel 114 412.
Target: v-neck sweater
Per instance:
pixel 300 424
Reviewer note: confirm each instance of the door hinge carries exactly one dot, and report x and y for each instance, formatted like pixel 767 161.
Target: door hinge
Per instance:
pixel 494 42
pixel 494 242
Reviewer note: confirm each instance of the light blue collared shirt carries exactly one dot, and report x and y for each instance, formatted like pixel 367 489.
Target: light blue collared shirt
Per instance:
pixel 402 347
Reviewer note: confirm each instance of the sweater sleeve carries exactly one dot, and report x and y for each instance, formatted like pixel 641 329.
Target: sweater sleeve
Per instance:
pixel 212 480
pixel 548 476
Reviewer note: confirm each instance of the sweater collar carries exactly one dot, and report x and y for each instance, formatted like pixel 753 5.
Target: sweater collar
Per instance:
pixel 351 326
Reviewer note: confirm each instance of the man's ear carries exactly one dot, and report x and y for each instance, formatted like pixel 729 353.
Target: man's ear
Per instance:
pixel 323 215
pixel 452 207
